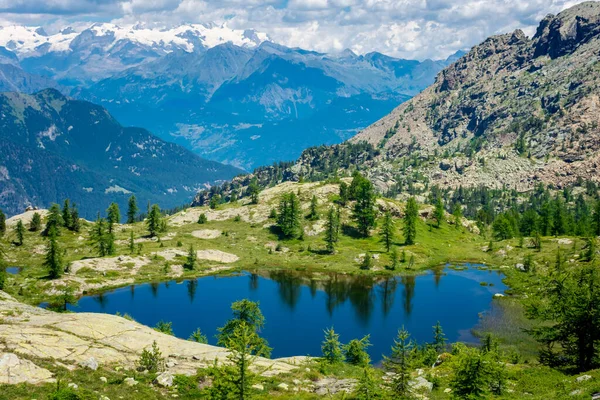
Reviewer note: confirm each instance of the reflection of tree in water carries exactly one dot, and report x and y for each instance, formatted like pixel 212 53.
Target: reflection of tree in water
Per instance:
pixel 192 285
pixel 387 290
pixel 154 288
pixel 313 288
pixel 253 282
pixel 101 300
pixel 409 292
pixel 361 297
pixel 336 291
pixel 132 291
pixel 437 276
pixel 289 287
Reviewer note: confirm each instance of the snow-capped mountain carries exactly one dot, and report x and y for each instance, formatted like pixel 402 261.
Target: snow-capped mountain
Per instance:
pixel 27 41
pixel 80 57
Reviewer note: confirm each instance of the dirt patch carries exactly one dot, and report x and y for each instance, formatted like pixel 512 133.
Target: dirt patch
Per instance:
pixel 217 255
pixel 207 234
pixel 133 264
pixel 170 254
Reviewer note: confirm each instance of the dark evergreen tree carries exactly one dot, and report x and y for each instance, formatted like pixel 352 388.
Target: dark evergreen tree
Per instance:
pixel 53 220
pixel 400 363
pixel 66 214
pixel 20 232
pixel 113 216
pixel 559 220
pixel 388 230
pixel 190 262
pixel 103 239
pixel 314 210
pixel 288 217
pixel 344 194
pixel 53 260
pixel 332 229
pixel 75 221
pixel 410 221
pixel 245 312
pixel 36 222
pixel 355 352
pixel 364 208
pixel 439 338
pixel 253 191
pixel 132 209
pixel 154 219
pixel 596 218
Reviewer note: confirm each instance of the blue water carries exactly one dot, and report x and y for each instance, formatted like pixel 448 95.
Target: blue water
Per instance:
pixel 298 309
pixel 13 270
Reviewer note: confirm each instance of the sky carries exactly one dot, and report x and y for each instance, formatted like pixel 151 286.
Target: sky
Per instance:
pixel 415 29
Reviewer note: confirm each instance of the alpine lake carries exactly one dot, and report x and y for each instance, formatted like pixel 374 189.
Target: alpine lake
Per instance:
pixel 299 306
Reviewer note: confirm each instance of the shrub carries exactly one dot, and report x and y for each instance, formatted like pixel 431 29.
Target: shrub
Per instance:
pixel 202 219
pixel 150 359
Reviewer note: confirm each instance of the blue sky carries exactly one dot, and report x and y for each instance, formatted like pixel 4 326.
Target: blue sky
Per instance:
pixel 403 28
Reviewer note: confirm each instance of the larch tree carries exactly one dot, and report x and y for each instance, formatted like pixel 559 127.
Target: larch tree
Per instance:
pixel 332 229
pixel 36 222
pixel 438 212
pixel 388 231
pixel 20 232
pixel 113 216
pixel 53 220
pixel 153 222
pixel 132 209
pixel 400 363
pixel 364 208
pixel 66 214
pixel 410 221
pixel 53 261
pixel 288 217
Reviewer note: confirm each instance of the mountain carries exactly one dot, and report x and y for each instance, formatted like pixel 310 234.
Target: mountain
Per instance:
pixel 53 147
pixel 81 57
pixel 512 112
pixel 254 106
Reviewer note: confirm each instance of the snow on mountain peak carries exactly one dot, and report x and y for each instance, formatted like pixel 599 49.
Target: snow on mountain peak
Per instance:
pixel 27 41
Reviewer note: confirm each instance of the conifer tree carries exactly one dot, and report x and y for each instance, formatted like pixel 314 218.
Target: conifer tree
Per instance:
pixel 332 229
pixel 355 352
pixel 153 221
pixel 367 262
pixel 253 190
pixel 438 212
pixel 288 217
pixel 394 258
pixel 53 220
pixel 190 262
pixel 410 221
pixel 132 209
pixel 364 208
pixel 66 214
pixel 439 338
pixel 131 242
pixel 368 388
pixel 559 220
pixel 596 218
pixel 388 231
pixel 314 211
pixel 245 312
pixel 36 222
pixel 457 215
pixel 400 363
pixel 20 232
pixel 344 194
pixel 103 240
pixel 113 216
pixel 331 348
pixel 75 222
pixel 2 223
pixel 53 260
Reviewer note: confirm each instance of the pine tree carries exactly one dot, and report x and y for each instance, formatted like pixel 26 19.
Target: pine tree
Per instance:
pixel 53 220
pixel 198 337
pixel 438 212
pixel 559 219
pixel 20 232
pixel 457 215
pixel 214 202
pixel 439 339
pixel 367 261
pixel 364 208
pixel 288 218
pixel 36 222
pixel 314 211
pixel 245 312
pixel 400 363
pixel 331 348
pixel 75 222
pixel 344 194
pixel 2 223
pixel 103 240
pixel 253 191
pixel 388 231
pixel 394 258
pixel 595 219
pixel 113 216
pixel 132 209
pixel 190 262
pixel 332 229
pixel 410 221
pixel 202 219
pixel 355 352
pixel 66 215
pixel 53 261
pixel 153 221
pixel 368 388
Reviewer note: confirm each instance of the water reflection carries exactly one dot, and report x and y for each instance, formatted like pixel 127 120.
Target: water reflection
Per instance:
pixel 299 305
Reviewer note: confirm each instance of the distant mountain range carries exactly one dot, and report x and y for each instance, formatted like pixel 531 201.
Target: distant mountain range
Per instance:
pixel 53 147
pixel 228 95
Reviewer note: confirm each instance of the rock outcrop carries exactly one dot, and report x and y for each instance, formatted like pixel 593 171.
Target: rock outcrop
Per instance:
pixel 74 339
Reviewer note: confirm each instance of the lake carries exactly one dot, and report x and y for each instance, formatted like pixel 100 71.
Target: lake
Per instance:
pixel 299 306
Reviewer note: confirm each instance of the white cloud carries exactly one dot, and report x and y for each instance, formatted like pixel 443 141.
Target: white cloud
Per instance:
pixel 404 28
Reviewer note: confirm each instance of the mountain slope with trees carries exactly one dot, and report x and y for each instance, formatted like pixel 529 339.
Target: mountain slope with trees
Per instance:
pixel 54 147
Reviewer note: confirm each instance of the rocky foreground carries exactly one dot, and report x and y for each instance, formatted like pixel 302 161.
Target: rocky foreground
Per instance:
pixel 87 340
